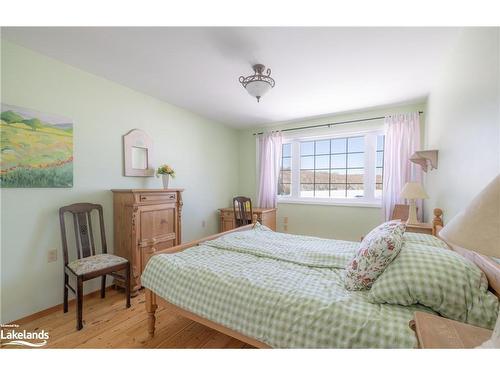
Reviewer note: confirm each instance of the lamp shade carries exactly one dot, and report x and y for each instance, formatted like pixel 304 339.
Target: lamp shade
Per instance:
pixel 477 227
pixel 258 88
pixel 413 190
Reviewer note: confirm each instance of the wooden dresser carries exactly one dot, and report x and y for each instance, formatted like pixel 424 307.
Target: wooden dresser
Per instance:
pixel 145 221
pixel 265 216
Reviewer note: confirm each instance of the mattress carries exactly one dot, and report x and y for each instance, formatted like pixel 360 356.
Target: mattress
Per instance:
pixel 283 290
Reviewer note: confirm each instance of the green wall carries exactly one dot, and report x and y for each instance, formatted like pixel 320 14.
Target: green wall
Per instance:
pixel 330 221
pixel 203 153
pixel 463 121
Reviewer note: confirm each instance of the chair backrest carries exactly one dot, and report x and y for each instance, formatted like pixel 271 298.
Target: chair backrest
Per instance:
pixel 84 236
pixel 400 212
pixel 243 212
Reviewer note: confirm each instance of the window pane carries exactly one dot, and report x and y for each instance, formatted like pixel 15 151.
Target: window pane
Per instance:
pixel 380 142
pixel 339 145
pixel 307 190
pixel 307 148
pixel 321 190
pixel 337 190
pixel 287 150
pixel 286 163
pixel 286 177
pixel 306 176
pixel 380 158
pixel 322 176
pixel 307 162
pixel 355 160
pixel 322 162
pixel 338 176
pixel 323 147
pixel 355 191
pixel 331 168
pixel 378 190
pixel 284 189
pixel 355 176
pixel 338 161
pixel 378 175
pixel 356 144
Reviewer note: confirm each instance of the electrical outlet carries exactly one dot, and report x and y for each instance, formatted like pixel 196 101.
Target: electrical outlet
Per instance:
pixel 52 255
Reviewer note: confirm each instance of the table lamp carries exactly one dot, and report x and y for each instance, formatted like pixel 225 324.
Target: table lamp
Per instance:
pixel 412 191
pixel 477 228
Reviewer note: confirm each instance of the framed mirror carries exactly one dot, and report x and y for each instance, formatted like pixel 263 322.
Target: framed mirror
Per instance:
pixel 138 154
pixel 139 157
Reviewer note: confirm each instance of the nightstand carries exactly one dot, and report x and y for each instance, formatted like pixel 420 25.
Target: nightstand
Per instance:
pixel 420 228
pixel 434 332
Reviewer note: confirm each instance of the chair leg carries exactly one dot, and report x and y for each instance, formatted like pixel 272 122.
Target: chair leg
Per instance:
pixel 65 303
pixel 79 299
pixel 103 286
pixel 127 284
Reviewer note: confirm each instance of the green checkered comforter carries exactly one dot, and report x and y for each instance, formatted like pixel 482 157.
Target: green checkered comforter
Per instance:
pixel 275 295
pixel 303 250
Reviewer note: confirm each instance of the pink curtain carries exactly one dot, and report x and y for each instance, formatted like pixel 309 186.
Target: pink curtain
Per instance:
pixel 402 139
pixel 269 164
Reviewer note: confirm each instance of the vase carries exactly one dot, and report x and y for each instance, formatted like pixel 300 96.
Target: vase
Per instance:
pixel 164 178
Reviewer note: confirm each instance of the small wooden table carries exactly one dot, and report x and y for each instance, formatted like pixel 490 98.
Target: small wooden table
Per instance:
pixel 425 228
pixel 265 216
pixel 435 332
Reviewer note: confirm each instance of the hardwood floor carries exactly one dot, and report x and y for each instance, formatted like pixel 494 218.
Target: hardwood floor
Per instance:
pixel 108 324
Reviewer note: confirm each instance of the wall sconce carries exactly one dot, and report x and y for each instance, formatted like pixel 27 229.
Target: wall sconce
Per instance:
pixel 425 159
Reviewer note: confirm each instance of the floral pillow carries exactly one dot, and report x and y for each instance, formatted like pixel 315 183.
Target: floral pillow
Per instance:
pixel 377 250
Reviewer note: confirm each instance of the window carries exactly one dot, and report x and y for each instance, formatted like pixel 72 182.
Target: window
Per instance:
pixel 285 177
pixel 379 166
pixel 332 169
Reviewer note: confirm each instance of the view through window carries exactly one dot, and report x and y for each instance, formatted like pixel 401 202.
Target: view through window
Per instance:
pixel 349 167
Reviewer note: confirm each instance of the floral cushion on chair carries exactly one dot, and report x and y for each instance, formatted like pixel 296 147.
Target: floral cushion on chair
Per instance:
pixel 377 250
pixel 95 263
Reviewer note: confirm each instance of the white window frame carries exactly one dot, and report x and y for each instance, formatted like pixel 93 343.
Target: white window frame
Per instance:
pixel 370 152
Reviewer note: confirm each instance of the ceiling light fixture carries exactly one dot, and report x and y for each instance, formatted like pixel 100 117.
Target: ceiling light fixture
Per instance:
pixel 259 83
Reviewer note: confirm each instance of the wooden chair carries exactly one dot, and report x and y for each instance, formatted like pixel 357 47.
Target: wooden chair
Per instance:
pixel 243 212
pixel 88 264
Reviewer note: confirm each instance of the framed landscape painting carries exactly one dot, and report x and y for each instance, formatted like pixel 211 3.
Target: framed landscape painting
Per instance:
pixel 36 149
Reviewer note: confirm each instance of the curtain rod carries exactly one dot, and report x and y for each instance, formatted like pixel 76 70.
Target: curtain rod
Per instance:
pixel 331 124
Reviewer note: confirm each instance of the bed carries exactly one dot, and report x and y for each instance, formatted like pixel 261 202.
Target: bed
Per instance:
pixel 278 290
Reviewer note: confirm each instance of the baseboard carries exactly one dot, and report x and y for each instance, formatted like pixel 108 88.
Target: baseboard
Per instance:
pixel 53 309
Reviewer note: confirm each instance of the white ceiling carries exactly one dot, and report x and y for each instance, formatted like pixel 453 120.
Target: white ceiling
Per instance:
pixel 318 71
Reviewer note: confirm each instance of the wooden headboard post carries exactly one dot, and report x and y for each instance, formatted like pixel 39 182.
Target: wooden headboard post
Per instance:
pixel 437 222
pixel 490 268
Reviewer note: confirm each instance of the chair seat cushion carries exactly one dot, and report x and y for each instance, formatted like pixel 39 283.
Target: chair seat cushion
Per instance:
pixel 95 263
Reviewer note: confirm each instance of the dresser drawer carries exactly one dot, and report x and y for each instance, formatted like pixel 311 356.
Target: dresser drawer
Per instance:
pixel 228 214
pixel 157 197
